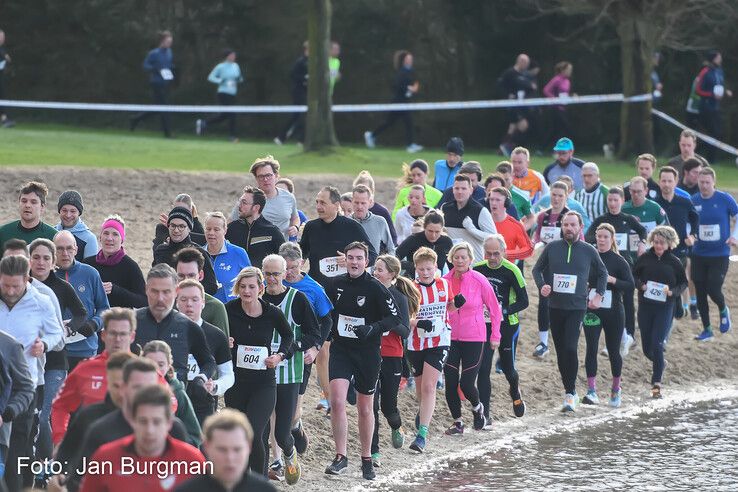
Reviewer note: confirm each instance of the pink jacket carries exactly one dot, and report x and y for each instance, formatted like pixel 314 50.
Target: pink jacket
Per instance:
pixel 556 86
pixel 467 323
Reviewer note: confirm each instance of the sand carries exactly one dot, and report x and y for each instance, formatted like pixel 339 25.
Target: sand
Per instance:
pixel 139 196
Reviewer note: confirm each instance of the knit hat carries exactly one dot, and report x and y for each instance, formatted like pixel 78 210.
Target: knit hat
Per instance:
pixel 181 213
pixel 455 145
pixel 70 197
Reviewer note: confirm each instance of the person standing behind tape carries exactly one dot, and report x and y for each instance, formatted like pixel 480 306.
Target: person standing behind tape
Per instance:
pixel 160 66
pixel 5 122
pixel 561 273
pixel 227 75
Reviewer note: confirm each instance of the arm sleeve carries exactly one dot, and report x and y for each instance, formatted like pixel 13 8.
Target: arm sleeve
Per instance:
pixel 66 402
pixel 220 318
pixel 23 388
pixel 400 200
pixel 148 63
pixel 101 302
pixel 209 282
pixel 493 306
pixel 361 234
pixel 201 351
pixel 226 378
pixel 548 89
pixel 186 413
pixel 539 267
pixel 137 296
pixel 387 240
pixel 305 241
pixel 486 224
pixel 214 76
pixel 287 342
pixel 623 276
pixel 403 327
pixel 326 323
pixel 693 218
pixel 681 280
pixel 638 228
pixel 75 306
pixel 590 236
pixel 52 332
pixel 601 271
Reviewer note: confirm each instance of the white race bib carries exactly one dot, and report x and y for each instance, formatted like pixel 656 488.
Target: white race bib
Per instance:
pixel 710 232
pixel 550 233
pixel 621 239
pixel 250 357
pixel 563 94
pixel 521 94
pixel 655 291
pixel 564 284
pixel 230 83
pixel 436 312
pixel 606 300
pixel 346 325
pixel 166 74
pixel 718 90
pixel 634 242
pixel 192 368
pixel 330 268
pixel 649 226
pixel 77 337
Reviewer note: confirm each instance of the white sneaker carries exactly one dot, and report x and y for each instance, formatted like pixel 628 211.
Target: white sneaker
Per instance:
pixel 369 139
pixel 625 344
pixel 413 148
pixel 198 127
pixel 277 141
pixel 570 402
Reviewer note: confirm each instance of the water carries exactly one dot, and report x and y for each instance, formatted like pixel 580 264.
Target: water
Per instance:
pixel 691 446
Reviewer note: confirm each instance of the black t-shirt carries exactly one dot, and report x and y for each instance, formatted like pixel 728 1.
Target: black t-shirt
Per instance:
pixel 405 77
pixel 619 268
pixel 414 242
pixel 68 299
pixel 511 81
pixel 217 341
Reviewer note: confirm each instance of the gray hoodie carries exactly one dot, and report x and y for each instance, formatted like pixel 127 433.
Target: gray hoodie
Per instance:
pixel 378 231
pixel 23 387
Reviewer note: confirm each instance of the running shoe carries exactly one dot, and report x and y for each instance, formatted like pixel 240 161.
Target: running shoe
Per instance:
pixel 338 466
pixel 725 321
pixel 570 402
pixel 413 148
pixel 369 140
pixel 705 336
pixel 541 350
pixel 498 367
pixel 456 429
pixel 625 344
pixel 367 469
pixel 199 126
pixel 301 439
pixel 276 470
pixel 440 384
pixel 323 404
pixel 277 141
pixel 292 469
pixel 694 313
pixel 656 391
pixel 376 460
pixel 403 384
pixel 418 444
pixel 398 438
pixel 591 398
pixel 615 398
pixel 679 311
pixel 518 404
pixel 479 419
pixel 410 383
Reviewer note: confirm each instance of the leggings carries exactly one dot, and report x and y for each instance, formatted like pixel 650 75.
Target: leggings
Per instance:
pixel 508 344
pixel 629 307
pixel 565 326
pixel 543 318
pixel 393 116
pixel 284 411
pixel 225 100
pixel 161 96
pixel 466 356
pixel 708 275
pixel 610 320
pixel 386 396
pixel 256 399
pixel 654 321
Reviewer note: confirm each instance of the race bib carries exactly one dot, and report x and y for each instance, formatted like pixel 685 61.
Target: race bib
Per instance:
pixel 606 300
pixel 330 268
pixel 74 337
pixel 521 94
pixel 564 284
pixel 718 90
pixel 346 325
pixel 710 232
pixel 549 233
pixel 275 349
pixel 192 368
pixel 166 74
pixel 230 83
pixel 621 240
pixel 634 242
pixel 250 357
pixel 655 291
pixel 563 94
pixel 649 226
pixel 436 312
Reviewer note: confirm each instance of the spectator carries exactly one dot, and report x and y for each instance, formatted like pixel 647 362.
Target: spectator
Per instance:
pixel 70 210
pixel 565 164
pixel 298 88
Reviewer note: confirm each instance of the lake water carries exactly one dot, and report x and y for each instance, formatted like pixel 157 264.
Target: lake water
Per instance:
pixel 688 446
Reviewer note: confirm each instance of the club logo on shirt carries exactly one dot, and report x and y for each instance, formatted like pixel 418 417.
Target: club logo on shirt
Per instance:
pixel 81 288
pixel 360 300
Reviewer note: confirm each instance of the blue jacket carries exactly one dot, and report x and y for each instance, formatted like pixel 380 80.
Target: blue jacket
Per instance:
pixel 157 60
pixel 444 175
pixel 713 77
pixel 227 75
pixel 227 264
pixel 89 288
pixel 86 240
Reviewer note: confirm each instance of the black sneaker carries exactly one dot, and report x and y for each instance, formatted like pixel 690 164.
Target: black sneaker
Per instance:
pixel 301 439
pixel 479 419
pixel 456 429
pixel 679 310
pixel 367 469
pixel 518 403
pixel 339 465
pixel 694 313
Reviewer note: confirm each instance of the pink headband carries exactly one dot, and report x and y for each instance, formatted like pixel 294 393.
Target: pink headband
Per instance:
pixel 115 225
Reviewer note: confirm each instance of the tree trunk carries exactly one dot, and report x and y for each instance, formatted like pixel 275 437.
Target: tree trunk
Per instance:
pixel 636 127
pixel 320 133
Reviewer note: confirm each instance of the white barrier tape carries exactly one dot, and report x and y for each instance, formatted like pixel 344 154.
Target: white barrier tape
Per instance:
pixel 338 108
pixel 705 138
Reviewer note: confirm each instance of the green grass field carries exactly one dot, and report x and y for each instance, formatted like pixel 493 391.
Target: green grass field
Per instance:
pixel 46 145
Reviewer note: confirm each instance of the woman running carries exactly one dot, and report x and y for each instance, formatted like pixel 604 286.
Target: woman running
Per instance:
pixel 407 215
pixel 406 297
pixel 228 259
pixel 468 334
pixel 415 174
pixel 660 280
pixel 610 317
pixel 253 322
pixel 431 237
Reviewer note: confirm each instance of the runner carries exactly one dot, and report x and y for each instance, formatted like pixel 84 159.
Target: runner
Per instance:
pixel 687 146
pixel 512 230
pixel 561 273
pixel 645 167
pixel 364 309
pixel 298 90
pixel 690 175
pixel 406 216
pixel 70 210
pixel 161 231
pixel 571 202
pixel 468 335
pixel 660 279
pixel 527 179
pixel 365 178
pixel 432 237
pixel 519 198
pixel 467 220
pixel 648 212
pixel 565 164
pixel 31 206
pixel 227 75
pixel 407 298
pixel 710 253
pixel 473 170
pixel 290 372
pixel 228 259
pixel 509 285
pixel 609 317
pixel 416 174
pixel 593 195
pixel 160 67
pixel 252 231
pixel 376 227
pixel 445 170
pixel 253 322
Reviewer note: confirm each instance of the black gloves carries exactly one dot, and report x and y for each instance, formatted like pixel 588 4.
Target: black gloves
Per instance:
pixel 459 300
pixel 88 328
pixel 425 324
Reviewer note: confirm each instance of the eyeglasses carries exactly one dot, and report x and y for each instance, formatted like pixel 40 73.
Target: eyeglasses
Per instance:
pixel 117 334
pixel 273 274
pixel 178 227
pixel 244 203
pixel 264 177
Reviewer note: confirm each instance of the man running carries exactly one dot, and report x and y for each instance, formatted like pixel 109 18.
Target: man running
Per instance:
pixel 376 227
pixel 525 178
pixel 561 273
pixel 565 164
pixel 160 67
pixel 70 211
pixel 593 196
pixel 252 231
pixel 467 220
pixel 648 212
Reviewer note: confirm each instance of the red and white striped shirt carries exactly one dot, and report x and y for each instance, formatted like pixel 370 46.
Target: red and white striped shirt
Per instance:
pixel 433 301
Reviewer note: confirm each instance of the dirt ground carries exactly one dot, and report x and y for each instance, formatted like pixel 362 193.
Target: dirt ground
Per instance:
pixel 139 196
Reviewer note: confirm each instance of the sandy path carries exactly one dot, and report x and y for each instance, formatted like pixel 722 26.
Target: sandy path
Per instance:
pixel 139 196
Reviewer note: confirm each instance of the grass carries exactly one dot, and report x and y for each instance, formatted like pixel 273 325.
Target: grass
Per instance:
pixel 47 145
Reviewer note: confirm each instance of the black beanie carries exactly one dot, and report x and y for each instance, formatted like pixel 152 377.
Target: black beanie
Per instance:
pixel 181 213
pixel 455 145
pixel 70 197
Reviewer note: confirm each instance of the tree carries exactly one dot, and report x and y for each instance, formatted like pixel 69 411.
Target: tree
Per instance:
pixel 642 28
pixel 320 133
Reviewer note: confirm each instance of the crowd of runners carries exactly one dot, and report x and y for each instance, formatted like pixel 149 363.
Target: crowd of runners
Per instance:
pixel 101 361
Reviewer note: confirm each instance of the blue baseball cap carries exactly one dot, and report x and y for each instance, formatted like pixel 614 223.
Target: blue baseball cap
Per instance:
pixel 564 145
